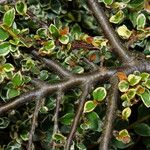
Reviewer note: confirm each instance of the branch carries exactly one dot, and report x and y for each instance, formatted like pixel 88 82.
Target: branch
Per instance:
pixel 75 80
pixel 109 32
pixel 3 2
pixel 110 115
pixel 52 65
pixel 77 117
pixel 39 103
pixel 58 100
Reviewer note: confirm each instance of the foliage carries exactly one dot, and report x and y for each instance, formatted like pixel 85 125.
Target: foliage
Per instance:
pixel 66 31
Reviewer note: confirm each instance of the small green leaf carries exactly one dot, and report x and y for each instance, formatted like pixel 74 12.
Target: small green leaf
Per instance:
pixel 50 45
pixel 147 83
pixel 81 146
pixel 76 29
pixel 3 35
pixel 24 135
pixel 142 129
pixel 124 97
pixel 9 17
pixel 108 2
pixel 99 94
pixel 17 79
pixel 67 119
pixel 4 122
pixel 5 48
pixel 59 137
pixel 126 113
pixel 89 106
pixel 144 76
pixel 42 32
pixel 64 39
pixel 12 93
pixel 78 69
pixel 54 31
pixel 124 32
pixel 131 93
pixel 141 21
pixel 93 121
pixel 124 136
pixel 133 79
pixel 55 6
pixel 44 74
pixel 123 86
pixel 145 97
pixel 21 7
pixel 117 18
pixel 8 67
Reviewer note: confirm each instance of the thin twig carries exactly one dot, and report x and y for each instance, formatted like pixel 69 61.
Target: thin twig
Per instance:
pixel 40 101
pixel 110 115
pixel 91 64
pixel 52 65
pixel 76 120
pixel 58 100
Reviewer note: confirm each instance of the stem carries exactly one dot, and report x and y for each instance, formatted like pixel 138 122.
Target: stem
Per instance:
pixel 77 117
pixel 109 32
pixel 110 114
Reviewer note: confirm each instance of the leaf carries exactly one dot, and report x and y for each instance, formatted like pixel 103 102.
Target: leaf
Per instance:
pixel 140 89
pixel 145 97
pixel 3 35
pixel 142 129
pixel 17 79
pixel 24 135
pixel 131 93
pixel 21 7
pixel 117 18
pixel 67 119
pixel 93 121
pixel 64 39
pixel 78 69
pixel 99 94
pixel 147 83
pixel 4 122
pixel 144 76
pixel 133 79
pixel 9 17
pixel 75 30
pixel 121 76
pixel 89 106
pixel 108 2
pixel 59 137
pixel 141 21
pixel 123 86
pixel 12 93
pixel 55 6
pixel 5 48
pixel 124 32
pixel 54 31
pixel 123 136
pixel 126 113
pixel 8 67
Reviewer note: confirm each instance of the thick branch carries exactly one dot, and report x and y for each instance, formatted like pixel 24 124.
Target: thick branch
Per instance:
pixel 77 117
pixel 109 32
pixel 110 115
pixel 74 80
